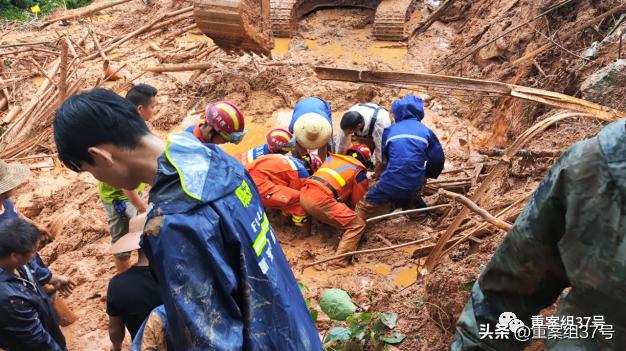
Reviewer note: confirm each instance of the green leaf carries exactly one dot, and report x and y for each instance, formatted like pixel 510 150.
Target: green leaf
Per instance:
pixel 337 333
pixel 468 286
pixel 419 304
pixel 389 319
pixel 314 314
pixel 303 288
pixel 393 338
pixel 337 304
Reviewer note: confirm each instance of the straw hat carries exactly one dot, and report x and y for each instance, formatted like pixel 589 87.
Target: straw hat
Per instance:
pixel 312 131
pixel 130 241
pixel 12 175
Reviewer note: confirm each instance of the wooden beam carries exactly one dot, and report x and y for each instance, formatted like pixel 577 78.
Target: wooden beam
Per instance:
pixel 476 209
pixel 449 82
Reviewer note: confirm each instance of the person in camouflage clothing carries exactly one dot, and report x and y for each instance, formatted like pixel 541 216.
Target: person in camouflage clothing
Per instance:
pixel 571 234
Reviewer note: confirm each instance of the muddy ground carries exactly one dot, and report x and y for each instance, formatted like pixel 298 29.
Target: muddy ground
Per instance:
pixel 266 90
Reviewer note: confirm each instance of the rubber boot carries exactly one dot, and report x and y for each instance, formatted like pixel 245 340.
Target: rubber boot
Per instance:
pixel 349 242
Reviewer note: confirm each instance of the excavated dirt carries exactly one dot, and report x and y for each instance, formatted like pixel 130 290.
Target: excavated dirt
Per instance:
pixel 266 90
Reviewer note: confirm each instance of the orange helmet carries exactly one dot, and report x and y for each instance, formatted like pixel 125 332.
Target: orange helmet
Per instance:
pixel 226 119
pixel 311 162
pixel 362 153
pixel 280 140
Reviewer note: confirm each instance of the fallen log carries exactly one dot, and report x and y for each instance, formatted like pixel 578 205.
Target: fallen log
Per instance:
pixel 476 209
pixel 85 11
pixel 332 258
pixel 492 152
pixel 564 36
pixel 180 67
pixel 449 82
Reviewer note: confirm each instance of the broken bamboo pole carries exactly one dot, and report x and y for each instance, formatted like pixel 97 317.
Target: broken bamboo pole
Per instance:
pixel 449 82
pixel 16 127
pixel 85 11
pixel 70 47
pixel 6 46
pixel 521 153
pixel 347 254
pixel 128 36
pixel 180 67
pixel 480 232
pixel 12 114
pixel 417 210
pixel 531 55
pixel 179 32
pixel 498 171
pixel 476 209
pixel 96 44
pixel 63 72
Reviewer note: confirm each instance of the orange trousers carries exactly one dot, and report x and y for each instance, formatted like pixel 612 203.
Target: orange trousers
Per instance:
pixel 279 197
pixel 323 207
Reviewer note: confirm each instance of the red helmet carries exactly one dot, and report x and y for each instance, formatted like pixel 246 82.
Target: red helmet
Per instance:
pixel 280 140
pixel 311 162
pixel 226 119
pixel 362 153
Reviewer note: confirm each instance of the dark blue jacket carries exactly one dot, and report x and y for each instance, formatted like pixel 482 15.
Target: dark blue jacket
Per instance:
pixel 27 320
pixel 413 154
pixel 40 271
pixel 311 105
pixel 225 282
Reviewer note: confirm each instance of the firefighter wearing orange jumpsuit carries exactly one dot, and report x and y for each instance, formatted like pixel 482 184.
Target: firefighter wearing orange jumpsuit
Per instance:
pixel 332 193
pixel 279 179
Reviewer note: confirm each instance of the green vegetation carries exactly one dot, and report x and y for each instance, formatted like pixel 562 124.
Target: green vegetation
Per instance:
pixel 356 331
pixel 22 10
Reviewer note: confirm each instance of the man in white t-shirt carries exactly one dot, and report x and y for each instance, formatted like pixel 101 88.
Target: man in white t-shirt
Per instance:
pixel 364 124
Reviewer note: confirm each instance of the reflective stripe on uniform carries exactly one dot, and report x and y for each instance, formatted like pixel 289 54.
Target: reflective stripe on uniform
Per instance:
pixel 250 155
pixel 293 165
pixel 407 136
pixel 334 174
pixel 261 239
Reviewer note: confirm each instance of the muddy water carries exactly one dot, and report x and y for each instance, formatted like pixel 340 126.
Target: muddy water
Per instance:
pixel 258 130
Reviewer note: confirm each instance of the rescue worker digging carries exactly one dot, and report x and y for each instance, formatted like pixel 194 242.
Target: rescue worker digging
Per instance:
pixel 278 141
pixel 364 124
pixel 223 123
pixel 279 179
pixel 413 154
pixel 311 123
pixel 331 194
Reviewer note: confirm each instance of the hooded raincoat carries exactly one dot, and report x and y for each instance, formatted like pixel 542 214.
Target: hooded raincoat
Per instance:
pixel 225 282
pixel 572 233
pixel 413 154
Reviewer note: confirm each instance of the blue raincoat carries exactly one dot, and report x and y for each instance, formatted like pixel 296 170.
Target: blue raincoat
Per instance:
pixel 225 282
pixel 413 154
pixel 311 105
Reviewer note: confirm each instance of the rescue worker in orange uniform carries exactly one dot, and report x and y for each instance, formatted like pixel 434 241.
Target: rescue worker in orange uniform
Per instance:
pixel 279 179
pixel 278 141
pixel 331 194
pixel 223 123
